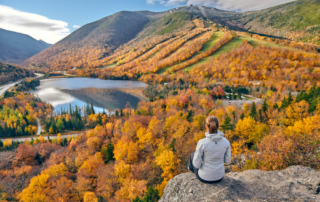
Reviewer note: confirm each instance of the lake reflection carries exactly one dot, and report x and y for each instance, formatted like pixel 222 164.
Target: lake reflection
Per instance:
pixel 103 94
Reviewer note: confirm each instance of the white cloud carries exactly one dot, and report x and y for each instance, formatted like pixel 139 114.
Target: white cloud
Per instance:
pixel 76 26
pixel 34 25
pixel 234 5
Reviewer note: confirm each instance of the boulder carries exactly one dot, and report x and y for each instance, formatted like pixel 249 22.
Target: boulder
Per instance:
pixel 295 183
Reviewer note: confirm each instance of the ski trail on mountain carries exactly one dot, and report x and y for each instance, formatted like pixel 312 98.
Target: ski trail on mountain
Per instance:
pixel 203 11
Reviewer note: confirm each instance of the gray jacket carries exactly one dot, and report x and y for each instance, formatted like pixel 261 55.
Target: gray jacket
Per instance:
pixel 211 154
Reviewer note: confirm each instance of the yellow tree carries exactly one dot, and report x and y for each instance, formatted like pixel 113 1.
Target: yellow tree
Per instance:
pixel 90 197
pixel 144 137
pixel 169 163
pixel 130 189
pixel 59 139
pixel 295 112
pixel 34 192
pixel 122 170
pixel 244 128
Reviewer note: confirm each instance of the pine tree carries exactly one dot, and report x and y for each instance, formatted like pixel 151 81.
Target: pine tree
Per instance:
pixel 151 195
pixel 171 145
pixel 99 121
pixel 227 125
pixel 264 105
pixel 290 99
pixel 241 116
pixel 260 115
pixel 92 109
pixel 253 111
pixel 108 152
pixel 284 103
pixel 234 116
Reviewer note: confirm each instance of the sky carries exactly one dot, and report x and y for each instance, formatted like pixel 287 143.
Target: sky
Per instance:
pixel 52 20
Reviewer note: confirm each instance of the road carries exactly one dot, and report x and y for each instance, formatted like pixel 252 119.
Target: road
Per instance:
pixel 241 102
pixel 23 139
pixel 6 87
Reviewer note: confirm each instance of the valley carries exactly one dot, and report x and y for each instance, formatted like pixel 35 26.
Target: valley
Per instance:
pixel 122 102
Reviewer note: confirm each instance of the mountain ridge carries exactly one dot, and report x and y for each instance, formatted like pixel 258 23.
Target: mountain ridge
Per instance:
pixel 16 47
pixel 98 40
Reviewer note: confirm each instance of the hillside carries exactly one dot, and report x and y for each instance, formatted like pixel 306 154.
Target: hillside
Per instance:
pixel 97 40
pixel 16 47
pixel 297 20
pixel 97 43
pixel 92 41
pixel 9 72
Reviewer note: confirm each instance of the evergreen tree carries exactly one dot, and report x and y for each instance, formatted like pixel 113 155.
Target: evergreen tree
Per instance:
pixel 241 116
pixel 264 105
pixel 227 125
pixel 88 109
pixel 92 109
pixel 151 196
pixel 284 103
pixel 171 145
pixel 253 111
pixel 108 152
pixel 190 115
pixel 290 99
pixel 234 116
pixel 70 110
pixel 1 132
pixel 260 115
pixel 99 121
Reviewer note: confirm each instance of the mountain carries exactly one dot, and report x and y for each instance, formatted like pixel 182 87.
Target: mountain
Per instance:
pixel 297 20
pixel 107 42
pixel 9 72
pixel 16 47
pixel 96 39
pixel 99 39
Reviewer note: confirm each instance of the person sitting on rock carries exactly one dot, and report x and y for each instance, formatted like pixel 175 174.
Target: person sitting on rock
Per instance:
pixel 207 162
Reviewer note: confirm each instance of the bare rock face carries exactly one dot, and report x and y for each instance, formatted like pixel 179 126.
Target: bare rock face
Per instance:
pixel 296 183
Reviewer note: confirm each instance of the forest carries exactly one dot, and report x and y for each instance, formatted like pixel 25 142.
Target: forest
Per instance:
pixel 18 114
pixel 10 72
pixel 132 154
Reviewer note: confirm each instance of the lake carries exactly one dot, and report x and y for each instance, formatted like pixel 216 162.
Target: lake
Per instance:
pixel 103 94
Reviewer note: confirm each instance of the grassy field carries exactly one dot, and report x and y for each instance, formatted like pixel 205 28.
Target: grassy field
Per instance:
pixel 234 43
pixel 109 66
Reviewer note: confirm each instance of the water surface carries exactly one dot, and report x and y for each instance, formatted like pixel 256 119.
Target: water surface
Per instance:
pixel 103 94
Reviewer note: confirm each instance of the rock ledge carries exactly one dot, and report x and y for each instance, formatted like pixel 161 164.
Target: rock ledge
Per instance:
pixel 296 183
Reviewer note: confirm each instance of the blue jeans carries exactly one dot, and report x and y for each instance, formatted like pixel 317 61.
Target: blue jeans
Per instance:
pixel 195 171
